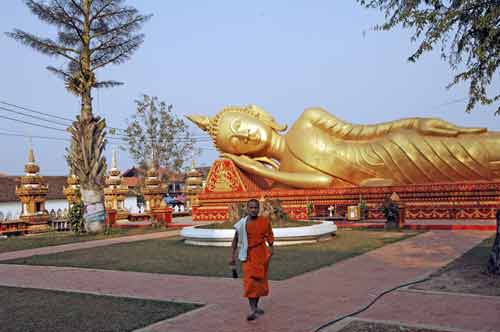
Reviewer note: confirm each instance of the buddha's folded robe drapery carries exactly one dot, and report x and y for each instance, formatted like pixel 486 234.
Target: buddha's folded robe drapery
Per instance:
pixel 401 153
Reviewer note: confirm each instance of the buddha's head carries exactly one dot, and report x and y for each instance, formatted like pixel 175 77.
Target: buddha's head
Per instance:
pixel 240 130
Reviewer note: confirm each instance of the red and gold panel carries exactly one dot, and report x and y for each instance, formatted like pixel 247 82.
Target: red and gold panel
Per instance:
pixel 227 184
pixel 224 177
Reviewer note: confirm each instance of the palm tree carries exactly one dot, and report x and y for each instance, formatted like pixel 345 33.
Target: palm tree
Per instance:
pixel 91 34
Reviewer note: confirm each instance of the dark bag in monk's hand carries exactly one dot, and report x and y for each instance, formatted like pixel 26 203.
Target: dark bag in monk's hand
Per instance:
pixel 234 272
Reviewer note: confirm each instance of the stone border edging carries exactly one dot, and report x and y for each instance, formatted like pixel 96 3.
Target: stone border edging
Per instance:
pixel 283 236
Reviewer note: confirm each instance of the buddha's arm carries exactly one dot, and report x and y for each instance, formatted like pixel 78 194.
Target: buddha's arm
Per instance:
pixel 349 131
pixel 301 180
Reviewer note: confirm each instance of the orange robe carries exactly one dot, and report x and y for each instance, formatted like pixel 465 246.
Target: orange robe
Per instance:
pixel 255 282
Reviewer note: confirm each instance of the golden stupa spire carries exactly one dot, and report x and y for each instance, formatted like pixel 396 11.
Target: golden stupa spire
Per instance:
pixel 31 155
pixel 113 159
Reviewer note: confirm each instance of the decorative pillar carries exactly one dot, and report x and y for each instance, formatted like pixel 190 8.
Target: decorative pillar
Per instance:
pixel 194 185
pixel 72 191
pixel 154 193
pixel 32 193
pixel 115 191
pixel 153 190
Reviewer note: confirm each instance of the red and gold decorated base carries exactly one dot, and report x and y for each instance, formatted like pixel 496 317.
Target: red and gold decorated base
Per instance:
pixel 36 223
pixel 163 215
pixel 443 201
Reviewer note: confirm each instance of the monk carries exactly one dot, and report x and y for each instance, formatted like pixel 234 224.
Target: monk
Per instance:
pixel 252 234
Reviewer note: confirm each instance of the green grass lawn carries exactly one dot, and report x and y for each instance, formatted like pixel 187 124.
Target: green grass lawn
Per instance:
pixel 56 238
pixel 466 274
pixel 174 257
pixel 26 309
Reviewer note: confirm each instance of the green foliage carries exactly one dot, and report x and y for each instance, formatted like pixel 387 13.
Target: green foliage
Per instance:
pixel 75 218
pixel 273 209
pixel 310 209
pixel 363 208
pixel 91 34
pixel 467 30
pixel 156 132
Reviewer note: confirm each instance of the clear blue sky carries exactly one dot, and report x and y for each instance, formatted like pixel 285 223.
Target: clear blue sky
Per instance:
pixel 202 55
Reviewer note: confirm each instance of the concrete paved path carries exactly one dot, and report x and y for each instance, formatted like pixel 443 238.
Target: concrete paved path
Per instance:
pixel 301 303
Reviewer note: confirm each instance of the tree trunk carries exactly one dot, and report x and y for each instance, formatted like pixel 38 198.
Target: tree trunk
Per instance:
pixel 94 212
pixel 88 139
pixel 87 162
pixel 494 260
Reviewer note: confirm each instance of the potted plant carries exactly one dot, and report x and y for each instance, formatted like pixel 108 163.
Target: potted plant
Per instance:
pixel 309 209
pixel 390 210
pixel 363 208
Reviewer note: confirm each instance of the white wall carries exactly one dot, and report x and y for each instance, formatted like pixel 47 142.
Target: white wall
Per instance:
pixel 15 207
pixel 131 204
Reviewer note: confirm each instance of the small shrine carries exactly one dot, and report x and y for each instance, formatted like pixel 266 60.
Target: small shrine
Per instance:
pixel 72 191
pixel 32 193
pixel 194 185
pixel 115 191
pixel 153 190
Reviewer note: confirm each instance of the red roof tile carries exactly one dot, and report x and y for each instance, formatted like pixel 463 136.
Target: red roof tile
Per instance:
pixel 8 187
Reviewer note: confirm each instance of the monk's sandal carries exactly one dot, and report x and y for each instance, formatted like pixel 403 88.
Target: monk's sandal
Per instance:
pixel 252 316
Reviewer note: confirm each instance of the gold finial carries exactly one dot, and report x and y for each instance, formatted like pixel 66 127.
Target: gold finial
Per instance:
pixel 113 159
pixel 31 156
pixel 200 120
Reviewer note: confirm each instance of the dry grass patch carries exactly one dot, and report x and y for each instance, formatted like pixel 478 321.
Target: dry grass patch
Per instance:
pixel 15 243
pixel 466 274
pixel 26 309
pixel 172 256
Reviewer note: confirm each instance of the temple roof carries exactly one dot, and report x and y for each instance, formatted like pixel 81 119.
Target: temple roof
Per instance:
pixel 8 187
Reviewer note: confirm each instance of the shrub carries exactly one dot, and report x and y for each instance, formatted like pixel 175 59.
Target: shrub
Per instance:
pixel 75 218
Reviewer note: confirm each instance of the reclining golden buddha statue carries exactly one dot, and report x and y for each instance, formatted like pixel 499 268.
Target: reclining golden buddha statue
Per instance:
pixel 320 150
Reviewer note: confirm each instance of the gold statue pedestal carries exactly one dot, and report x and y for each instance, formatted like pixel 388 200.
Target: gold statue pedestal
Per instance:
pixel 426 203
pixel 440 170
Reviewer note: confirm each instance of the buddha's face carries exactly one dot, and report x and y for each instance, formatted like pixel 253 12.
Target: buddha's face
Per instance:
pixel 240 133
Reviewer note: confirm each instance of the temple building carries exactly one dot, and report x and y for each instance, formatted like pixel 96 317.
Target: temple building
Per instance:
pixel 115 191
pixel 32 192
pixel 153 190
pixel 72 191
pixel 193 186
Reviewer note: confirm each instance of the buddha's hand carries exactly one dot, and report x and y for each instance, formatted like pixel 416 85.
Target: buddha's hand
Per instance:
pixel 248 164
pixel 438 127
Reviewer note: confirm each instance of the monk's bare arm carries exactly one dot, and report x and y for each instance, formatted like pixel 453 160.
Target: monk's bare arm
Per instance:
pixel 270 239
pixel 234 246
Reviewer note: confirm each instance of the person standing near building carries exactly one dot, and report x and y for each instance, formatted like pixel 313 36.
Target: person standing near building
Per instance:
pixel 254 236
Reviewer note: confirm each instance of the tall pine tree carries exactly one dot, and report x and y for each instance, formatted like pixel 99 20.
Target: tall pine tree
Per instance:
pixel 91 34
